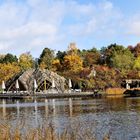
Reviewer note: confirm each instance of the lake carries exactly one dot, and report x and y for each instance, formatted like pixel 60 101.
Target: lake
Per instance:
pixel 118 117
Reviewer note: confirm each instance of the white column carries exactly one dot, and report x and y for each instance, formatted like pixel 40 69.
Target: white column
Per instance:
pixel 70 85
pixel 17 85
pixel 127 86
pixel 3 86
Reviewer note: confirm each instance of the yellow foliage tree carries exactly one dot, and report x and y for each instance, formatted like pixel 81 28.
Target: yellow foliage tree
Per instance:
pixel 56 65
pixel 42 65
pixel 73 62
pixel 8 70
pixel 26 61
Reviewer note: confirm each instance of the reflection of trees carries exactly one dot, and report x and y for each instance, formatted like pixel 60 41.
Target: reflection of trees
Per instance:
pixel 89 117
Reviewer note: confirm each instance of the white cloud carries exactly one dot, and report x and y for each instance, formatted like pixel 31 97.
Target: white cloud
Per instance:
pixel 12 15
pixel 34 24
pixel 133 25
pixel 102 18
pixel 30 29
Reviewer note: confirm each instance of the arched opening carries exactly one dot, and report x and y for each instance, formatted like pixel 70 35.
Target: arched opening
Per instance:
pixel 43 86
pixel 13 87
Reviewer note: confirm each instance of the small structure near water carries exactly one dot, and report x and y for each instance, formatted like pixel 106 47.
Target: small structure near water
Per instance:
pixel 131 83
pixel 132 87
pixel 44 80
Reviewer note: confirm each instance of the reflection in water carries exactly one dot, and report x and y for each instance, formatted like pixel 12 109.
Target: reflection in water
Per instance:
pixel 4 108
pixel 46 107
pixel 118 117
pixel 18 109
pixel 53 107
pixel 36 115
pixel 70 107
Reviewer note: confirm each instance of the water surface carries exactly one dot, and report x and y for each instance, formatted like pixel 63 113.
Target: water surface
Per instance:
pixel 117 117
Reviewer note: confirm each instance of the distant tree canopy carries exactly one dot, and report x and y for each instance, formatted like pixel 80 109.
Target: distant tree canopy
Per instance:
pixel 111 64
pixel 46 59
pixel 60 55
pixel 123 60
pixel 8 58
pixel 117 56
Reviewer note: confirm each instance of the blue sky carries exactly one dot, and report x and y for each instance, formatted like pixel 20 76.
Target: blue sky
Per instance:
pixel 31 25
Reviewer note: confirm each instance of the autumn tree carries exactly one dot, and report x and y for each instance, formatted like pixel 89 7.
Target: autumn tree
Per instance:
pixel 7 70
pixel 56 66
pixel 137 63
pixel 131 49
pixel 137 50
pixel 46 58
pixel 90 57
pixel 73 63
pixel 26 61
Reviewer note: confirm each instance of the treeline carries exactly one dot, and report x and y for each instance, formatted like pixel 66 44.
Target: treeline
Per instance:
pixel 88 69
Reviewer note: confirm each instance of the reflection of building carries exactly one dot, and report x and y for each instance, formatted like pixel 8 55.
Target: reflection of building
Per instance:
pixel 43 78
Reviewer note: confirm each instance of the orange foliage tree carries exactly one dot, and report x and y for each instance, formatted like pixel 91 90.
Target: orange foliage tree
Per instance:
pixel 56 66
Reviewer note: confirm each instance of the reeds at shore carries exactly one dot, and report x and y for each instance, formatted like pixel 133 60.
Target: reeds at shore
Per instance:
pixel 46 132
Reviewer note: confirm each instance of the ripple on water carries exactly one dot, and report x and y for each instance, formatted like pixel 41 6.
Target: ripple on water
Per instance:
pixel 119 118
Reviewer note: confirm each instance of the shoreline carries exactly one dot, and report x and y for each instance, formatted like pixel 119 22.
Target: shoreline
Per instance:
pixel 39 95
pixel 47 95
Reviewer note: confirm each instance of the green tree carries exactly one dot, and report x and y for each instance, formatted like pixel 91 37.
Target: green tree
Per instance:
pixel 9 58
pixel 60 55
pixel 46 59
pixel 108 53
pixel 1 58
pixel 123 60
pixel 26 61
